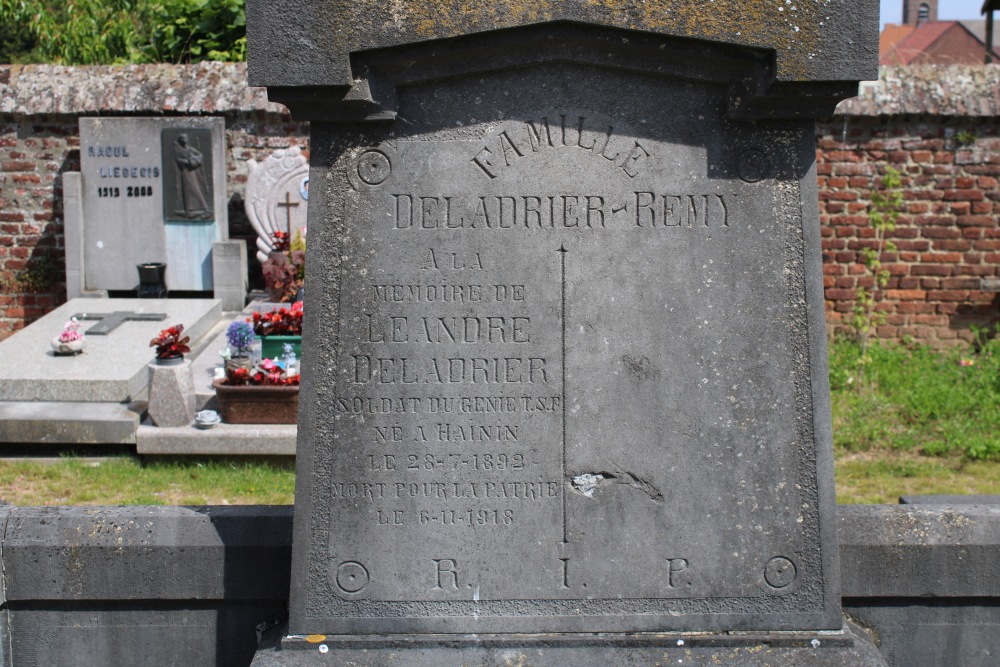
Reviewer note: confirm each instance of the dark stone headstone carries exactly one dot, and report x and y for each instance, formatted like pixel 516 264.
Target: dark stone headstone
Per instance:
pixel 566 372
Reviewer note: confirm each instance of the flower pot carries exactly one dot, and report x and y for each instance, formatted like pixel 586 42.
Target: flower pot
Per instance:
pixel 68 348
pixel 273 404
pixel 237 362
pixel 274 346
pixel 170 361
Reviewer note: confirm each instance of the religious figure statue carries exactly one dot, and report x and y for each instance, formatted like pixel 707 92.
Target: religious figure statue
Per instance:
pixel 193 193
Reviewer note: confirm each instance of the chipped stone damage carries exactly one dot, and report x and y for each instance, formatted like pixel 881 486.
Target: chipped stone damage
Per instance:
pixel 587 483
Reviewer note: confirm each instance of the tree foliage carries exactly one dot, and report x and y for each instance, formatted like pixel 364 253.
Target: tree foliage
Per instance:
pixel 104 32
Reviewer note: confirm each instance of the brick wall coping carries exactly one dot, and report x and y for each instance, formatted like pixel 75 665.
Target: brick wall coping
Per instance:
pixel 952 90
pixel 208 88
pixel 205 88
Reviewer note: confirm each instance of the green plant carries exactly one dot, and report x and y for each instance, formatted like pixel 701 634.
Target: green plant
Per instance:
pixel 886 205
pixel 39 275
pixel 965 137
pixel 80 32
pixel 127 481
pixel 194 30
pixel 940 403
pixel 103 32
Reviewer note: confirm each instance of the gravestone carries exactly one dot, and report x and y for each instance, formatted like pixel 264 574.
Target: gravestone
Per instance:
pixel 152 190
pixel 567 373
pixel 277 196
pixel 113 365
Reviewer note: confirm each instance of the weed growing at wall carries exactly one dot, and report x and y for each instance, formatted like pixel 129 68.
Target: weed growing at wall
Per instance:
pixel 885 208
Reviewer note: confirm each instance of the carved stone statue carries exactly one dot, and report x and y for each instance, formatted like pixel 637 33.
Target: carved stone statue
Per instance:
pixel 193 194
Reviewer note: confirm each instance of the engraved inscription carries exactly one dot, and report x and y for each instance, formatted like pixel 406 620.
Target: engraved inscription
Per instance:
pixel 675 569
pixel 537 212
pixel 477 372
pixel 779 572
pixel 446 573
pixel 352 577
pixel 630 156
pixel 374 167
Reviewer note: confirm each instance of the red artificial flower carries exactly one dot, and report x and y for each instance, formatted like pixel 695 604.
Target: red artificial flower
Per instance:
pixel 169 343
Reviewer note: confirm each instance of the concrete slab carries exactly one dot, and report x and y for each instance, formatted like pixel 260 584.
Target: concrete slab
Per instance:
pixel 221 440
pixel 67 423
pixel 112 368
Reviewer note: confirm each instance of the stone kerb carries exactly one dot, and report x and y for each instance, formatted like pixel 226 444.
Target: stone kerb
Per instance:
pixel 188 585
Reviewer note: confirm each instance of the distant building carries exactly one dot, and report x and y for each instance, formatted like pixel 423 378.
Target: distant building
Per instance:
pixel 923 40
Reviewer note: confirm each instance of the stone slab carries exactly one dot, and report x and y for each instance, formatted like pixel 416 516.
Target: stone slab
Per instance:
pixel 146 553
pixel 920 550
pixel 112 368
pixel 916 628
pixel 310 42
pixel 138 206
pixel 92 634
pixel 572 377
pixel 955 499
pixel 220 440
pixel 832 649
pixel 67 423
pixel 229 274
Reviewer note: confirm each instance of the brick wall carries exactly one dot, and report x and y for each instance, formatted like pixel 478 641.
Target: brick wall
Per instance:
pixel 939 126
pixel 33 154
pixel 947 235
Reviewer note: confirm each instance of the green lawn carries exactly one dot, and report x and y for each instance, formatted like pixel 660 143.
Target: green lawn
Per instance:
pixel 126 481
pixel 922 422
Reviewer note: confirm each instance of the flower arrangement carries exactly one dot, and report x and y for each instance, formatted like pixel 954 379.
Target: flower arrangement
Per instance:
pixel 239 335
pixel 70 340
pixel 281 322
pixel 267 373
pixel 285 266
pixel 71 331
pixel 169 344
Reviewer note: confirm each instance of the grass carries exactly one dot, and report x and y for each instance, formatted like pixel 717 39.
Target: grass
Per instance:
pixel 918 400
pixel 126 481
pixel 926 422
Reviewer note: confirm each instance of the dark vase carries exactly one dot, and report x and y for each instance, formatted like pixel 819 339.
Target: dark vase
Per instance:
pixel 152 279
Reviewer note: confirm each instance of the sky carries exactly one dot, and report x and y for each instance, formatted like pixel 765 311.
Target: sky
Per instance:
pixel 948 10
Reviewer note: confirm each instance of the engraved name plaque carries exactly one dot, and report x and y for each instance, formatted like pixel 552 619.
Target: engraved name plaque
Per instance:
pixel 563 380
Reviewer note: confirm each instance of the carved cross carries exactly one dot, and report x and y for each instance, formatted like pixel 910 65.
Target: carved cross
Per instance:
pixel 288 206
pixel 108 322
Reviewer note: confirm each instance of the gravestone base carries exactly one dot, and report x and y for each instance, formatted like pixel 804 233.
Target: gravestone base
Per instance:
pixel 171 394
pixel 852 648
